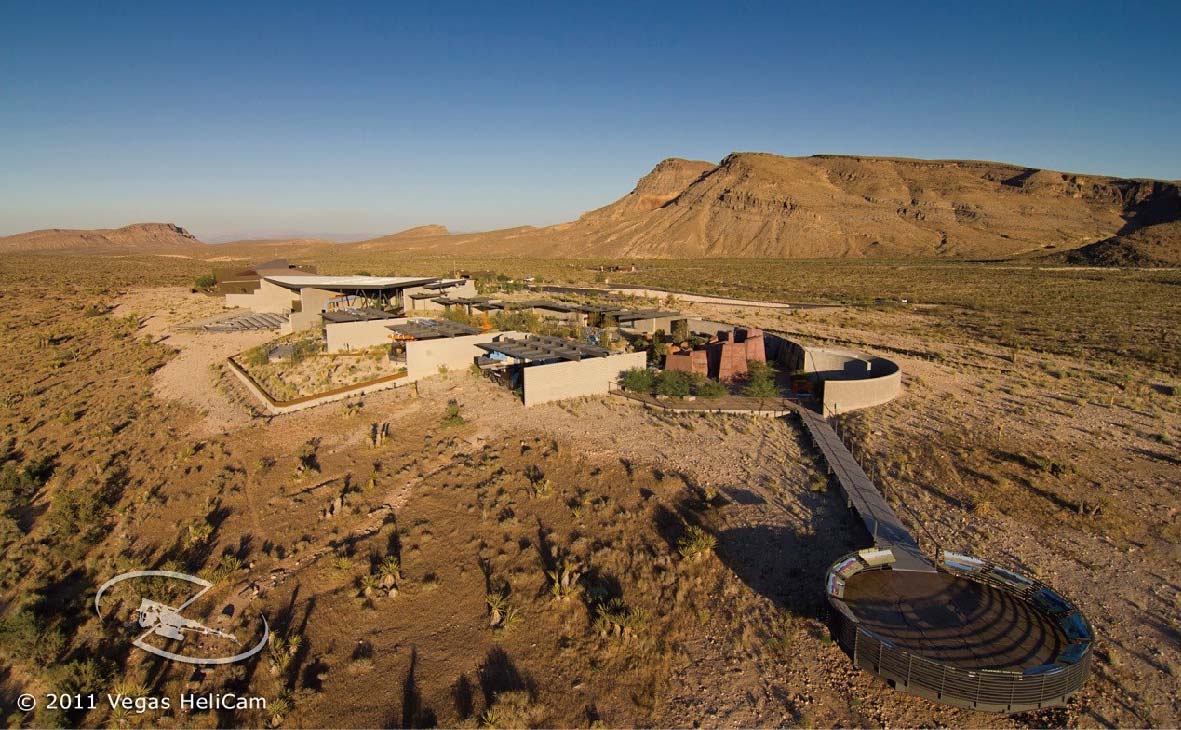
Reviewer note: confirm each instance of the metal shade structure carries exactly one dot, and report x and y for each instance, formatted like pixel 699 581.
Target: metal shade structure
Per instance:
pixel 432 329
pixel 543 347
pixel 356 314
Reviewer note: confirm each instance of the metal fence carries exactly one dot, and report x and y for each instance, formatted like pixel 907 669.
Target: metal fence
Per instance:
pixel 999 690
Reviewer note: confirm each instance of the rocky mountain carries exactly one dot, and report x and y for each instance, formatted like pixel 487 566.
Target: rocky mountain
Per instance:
pixel 667 180
pixel 136 237
pixel 761 205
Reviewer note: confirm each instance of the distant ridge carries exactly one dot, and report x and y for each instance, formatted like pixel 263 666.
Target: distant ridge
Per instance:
pixel 758 205
pixel 834 206
pixel 135 237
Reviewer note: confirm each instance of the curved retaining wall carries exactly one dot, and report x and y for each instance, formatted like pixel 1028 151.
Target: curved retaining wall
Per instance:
pixel 879 382
pixel 992 690
pixel 851 379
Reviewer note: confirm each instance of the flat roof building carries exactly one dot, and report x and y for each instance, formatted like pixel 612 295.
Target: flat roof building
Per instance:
pixel 548 369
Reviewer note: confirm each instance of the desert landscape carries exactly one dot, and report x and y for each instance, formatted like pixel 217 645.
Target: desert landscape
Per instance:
pixel 438 554
pixel 580 365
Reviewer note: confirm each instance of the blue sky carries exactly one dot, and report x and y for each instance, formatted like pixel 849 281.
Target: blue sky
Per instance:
pixel 354 118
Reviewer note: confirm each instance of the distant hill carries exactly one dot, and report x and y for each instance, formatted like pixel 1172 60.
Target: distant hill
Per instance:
pixel 761 205
pixel 136 237
pixel 767 206
pixel 1152 246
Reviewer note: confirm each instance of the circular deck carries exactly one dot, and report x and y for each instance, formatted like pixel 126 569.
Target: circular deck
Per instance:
pixel 953 620
pixel 965 633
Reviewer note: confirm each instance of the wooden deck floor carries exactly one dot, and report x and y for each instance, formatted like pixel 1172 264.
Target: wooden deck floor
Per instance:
pixel 879 518
pixel 953 620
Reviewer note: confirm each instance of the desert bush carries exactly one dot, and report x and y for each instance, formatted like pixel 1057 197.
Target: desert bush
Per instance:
pixel 257 356
pixel 20 483
pixel 759 381
pixel 26 637
pixel 225 567
pixel 706 388
pixel 78 513
pixel 205 281
pixel 451 415
pixel 517 319
pixel 307 460
pixel 515 709
pixel 637 380
pixel 673 382
pixel 305 348
pixel 615 618
pixel 695 543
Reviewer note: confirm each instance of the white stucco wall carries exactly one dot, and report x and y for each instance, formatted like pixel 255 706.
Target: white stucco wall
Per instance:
pixel 592 376
pixel 424 357
pixel 346 336
pixel 268 298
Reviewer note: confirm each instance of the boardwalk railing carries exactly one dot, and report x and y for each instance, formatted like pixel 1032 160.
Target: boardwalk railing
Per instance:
pixel 994 690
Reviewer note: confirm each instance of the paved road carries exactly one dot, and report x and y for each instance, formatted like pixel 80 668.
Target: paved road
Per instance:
pixel 879 518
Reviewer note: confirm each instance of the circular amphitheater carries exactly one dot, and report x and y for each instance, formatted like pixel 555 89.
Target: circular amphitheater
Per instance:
pixel 968 634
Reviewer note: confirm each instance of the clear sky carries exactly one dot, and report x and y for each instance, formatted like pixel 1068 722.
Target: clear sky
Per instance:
pixel 350 118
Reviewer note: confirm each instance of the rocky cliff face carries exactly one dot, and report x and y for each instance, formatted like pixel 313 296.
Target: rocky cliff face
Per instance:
pixel 770 206
pixel 666 181
pixel 761 205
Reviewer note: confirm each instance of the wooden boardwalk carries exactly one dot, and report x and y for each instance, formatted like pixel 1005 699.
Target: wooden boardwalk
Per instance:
pixel 861 494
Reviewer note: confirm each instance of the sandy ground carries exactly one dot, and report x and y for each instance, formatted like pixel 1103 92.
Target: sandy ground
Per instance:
pixel 188 377
pixel 776 537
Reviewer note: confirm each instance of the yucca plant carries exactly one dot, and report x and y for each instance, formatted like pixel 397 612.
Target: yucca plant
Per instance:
pixel 564 580
pixel 369 585
pixel 695 543
pixel 389 573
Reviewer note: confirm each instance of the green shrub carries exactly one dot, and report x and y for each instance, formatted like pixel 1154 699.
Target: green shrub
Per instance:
pixel 25 637
pixel 452 416
pixel 257 356
pixel 205 281
pixel 517 319
pixel 637 380
pixel 303 349
pixel 759 381
pixel 674 382
pixel 706 388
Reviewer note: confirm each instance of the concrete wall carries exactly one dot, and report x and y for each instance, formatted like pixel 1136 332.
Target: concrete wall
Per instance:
pixel 316 300
pixel 650 325
pixel 592 376
pixel 268 298
pixel 707 326
pixel 423 357
pixel 345 336
pixel 881 383
pixel 851 379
